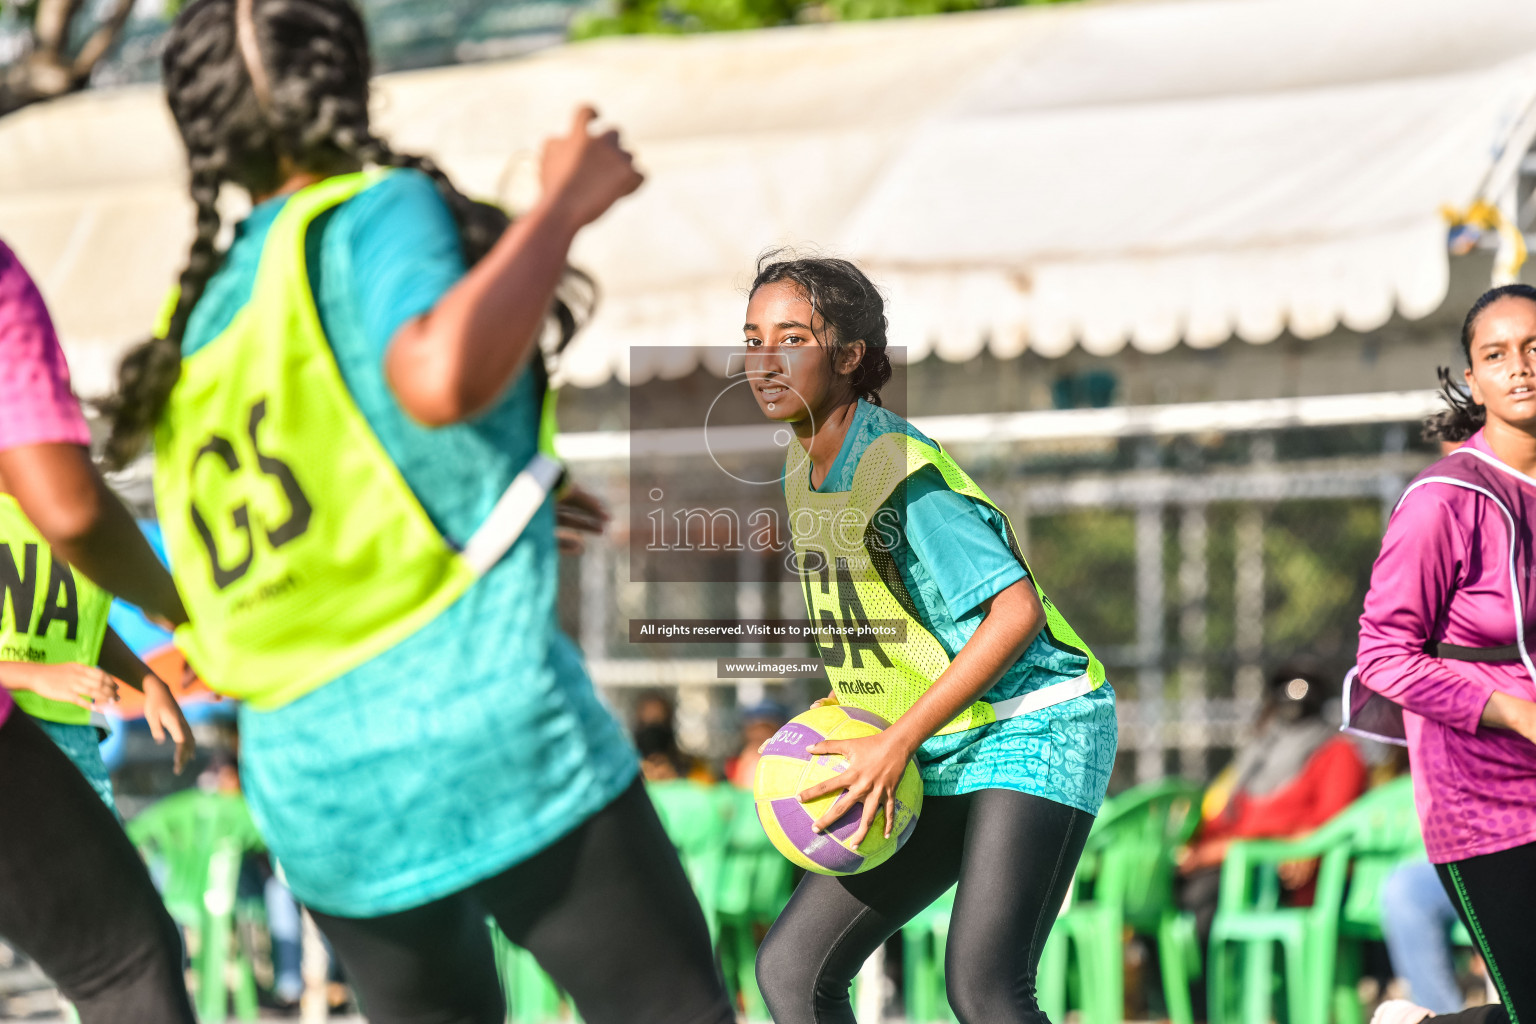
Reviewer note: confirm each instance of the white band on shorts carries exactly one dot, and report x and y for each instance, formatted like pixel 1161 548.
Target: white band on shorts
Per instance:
pixel 1044 697
pixel 512 513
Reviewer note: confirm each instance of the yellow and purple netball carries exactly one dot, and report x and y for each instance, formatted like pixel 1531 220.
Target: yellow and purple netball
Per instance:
pixel 785 768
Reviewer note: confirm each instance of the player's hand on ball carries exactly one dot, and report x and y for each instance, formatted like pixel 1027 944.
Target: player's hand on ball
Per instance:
pixel 830 700
pixel 875 767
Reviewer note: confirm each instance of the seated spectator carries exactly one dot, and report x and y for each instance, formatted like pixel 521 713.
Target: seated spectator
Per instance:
pixel 654 708
pixel 660 759
pixel 258 880
pixel 1417 918
pixel 758 724
pixel 1295 773
pixel 656 738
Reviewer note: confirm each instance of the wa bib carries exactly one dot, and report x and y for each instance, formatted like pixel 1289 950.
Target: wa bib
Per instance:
pixel 843 542
pixel 49 614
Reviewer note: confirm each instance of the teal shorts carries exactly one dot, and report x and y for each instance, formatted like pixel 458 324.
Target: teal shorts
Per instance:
pixel 82 745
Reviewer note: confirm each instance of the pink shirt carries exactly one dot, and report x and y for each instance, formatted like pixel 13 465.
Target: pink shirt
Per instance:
pixel 1444 576
pixel 37 405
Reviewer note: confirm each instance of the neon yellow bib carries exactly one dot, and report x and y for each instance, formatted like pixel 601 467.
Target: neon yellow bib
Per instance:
pixel 298 547
pixel 843 542
pixel 49 614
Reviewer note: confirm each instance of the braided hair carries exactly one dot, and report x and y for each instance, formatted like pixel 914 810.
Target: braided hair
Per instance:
pixel 1463 417
pixel 845 300
pixel 252 84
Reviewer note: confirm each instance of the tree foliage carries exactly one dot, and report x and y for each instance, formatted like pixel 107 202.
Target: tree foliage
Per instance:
pixel 51 47
pixel 61 44
pixel 637 17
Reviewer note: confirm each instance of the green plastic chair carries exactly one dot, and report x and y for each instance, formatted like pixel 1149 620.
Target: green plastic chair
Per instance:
pixel 695 821
pixel 1094 931
pixel 1387 835
pixel 1126 879
pixel 1092 981
pixel 196 841
pixel 924 939
pixel 756 882
pixel 1179 958
pixel 696 818
pixel 1250 923
pixel 531 995
pixel 922 958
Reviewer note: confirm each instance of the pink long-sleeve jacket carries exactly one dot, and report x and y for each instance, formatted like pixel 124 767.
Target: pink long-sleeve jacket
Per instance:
pixel 36 404
pixel 1448 573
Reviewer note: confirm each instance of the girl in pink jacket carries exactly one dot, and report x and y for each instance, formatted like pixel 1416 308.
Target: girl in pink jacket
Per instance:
pixel 1445 637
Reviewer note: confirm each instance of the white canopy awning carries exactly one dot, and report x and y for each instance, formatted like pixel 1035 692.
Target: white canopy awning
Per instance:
pixel 1098 173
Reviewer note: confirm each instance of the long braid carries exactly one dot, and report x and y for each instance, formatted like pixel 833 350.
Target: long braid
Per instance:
pixel 204 81
pixel 340 120
pixel 148 372
pixel 310 108
pixel 316 52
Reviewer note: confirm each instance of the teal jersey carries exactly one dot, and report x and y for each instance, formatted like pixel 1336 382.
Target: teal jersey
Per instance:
pixel 478 741
pixel 953 556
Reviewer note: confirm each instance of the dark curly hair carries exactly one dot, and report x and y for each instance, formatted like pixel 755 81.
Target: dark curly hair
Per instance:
pixel 1464 417
pixel 844 300
pixel 251 82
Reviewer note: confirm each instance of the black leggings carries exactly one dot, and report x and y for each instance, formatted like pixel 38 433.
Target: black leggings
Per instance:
pixel 607 911
pixel 74 895
pixel 1495 894
pixel 1014 856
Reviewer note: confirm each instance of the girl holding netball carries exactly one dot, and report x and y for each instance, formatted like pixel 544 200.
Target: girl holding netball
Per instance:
pixel 351 442
pixel 1446 635
pixel 1004 708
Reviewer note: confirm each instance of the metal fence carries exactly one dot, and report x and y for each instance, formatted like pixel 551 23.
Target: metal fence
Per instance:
pixel 1193 547
pixel 1193 561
